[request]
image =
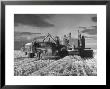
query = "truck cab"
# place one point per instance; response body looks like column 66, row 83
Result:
column 29, row 50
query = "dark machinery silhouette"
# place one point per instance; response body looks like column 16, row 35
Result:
column 49, row 49
column 46, row 48
column 80, row 50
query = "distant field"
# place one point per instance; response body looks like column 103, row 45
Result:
column 67, row 66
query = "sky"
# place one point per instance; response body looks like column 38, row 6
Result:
column 58, row 25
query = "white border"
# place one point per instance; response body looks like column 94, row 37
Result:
column 100, row 10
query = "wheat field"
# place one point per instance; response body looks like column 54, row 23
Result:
column 67, row 66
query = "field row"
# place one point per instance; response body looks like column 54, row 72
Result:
column 67, row 66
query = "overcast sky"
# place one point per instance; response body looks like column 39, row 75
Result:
column 58, row 24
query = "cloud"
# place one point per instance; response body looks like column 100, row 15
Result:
column 32, row 20
column 90, row 31
column 95, row 27
column 91, row 37
column 82, row 27
column 94, row 19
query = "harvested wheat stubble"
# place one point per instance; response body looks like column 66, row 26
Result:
column 29, row 65
column 68, row 66
column 18, row 54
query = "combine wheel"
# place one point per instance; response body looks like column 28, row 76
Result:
column 63, row 53
column 25, row 53
column 31, row 55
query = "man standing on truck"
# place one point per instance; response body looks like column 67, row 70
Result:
column 83, row 42
column 39, row 54
column 35, row 50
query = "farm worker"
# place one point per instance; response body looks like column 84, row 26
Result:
column 83, row 42
column 65, row 40
column 57, row 40
column 39, row 54
column 34, row 45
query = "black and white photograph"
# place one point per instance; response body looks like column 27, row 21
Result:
column 55, row 44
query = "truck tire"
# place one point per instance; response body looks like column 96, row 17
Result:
column 25, row 53
column 63, row 53
column 31, row 55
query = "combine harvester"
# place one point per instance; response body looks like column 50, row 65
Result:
column 55, row 50
column 46, row 49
